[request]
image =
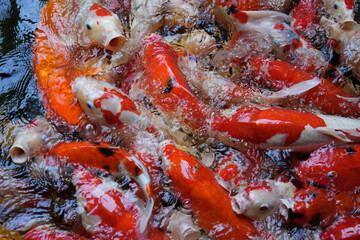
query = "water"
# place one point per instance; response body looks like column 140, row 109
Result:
column 19, row 101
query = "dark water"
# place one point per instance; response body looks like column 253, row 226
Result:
column 19, row 101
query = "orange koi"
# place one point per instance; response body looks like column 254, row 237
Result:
column 58, row 60
column 337, row 168
column 281, row 128
column 107, row 212
column 167, row 87
column 326, row 96
column 347, row 228
column 196, row 186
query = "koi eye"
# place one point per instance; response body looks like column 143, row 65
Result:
column 332, row 174
column 312, row 195
column 88, row 26
column 90, row 105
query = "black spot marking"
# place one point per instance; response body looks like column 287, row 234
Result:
column 315, row 220
column 106, row 167
column 294, row 215
column 350, row 150
column 107, row 152
column 336, row 6
column 232, row 9
column 88, row 26
column 170, row 86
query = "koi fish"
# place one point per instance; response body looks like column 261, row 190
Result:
column 48, row 232
column 31, row 140
column 108, row 105
column 337, row 168
column 166, row 86
column 346, row 228
column 107, row 213
column 280, row 38
column 195, row 185
column 340, row 10
column 104, row 157
column 326, row 96
column 346, row 36
column 61, row 55
column 104, row 28
column 281, row 128
column 318, row 207
column 260, row 199
column 305, row 15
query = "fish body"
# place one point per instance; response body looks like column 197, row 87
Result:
column 278, row 74
column 281, row 128
column 346, row 228
column 168, row 89
column 195, row 185
column 107, row 213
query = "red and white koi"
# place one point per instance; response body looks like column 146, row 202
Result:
column 106, row 212
column 329, row 98
column 108, row 105
column 104, row 157
column 102, row 27
column 254, row 26
column 260, row 199
column 337, row 168
column 281, row 128
column 196, row 187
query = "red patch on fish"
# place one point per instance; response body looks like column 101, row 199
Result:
column 279, row 26
column 229, row 172
column 99, row 10
column 296, row 43
column 349, row 4
column 242, row 17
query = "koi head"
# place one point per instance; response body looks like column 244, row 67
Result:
column 106, row 104
column 337, row 168
column 260, row 199
column 104, row 28
column 312, row 207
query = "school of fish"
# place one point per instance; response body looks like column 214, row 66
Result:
column 196, row 119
